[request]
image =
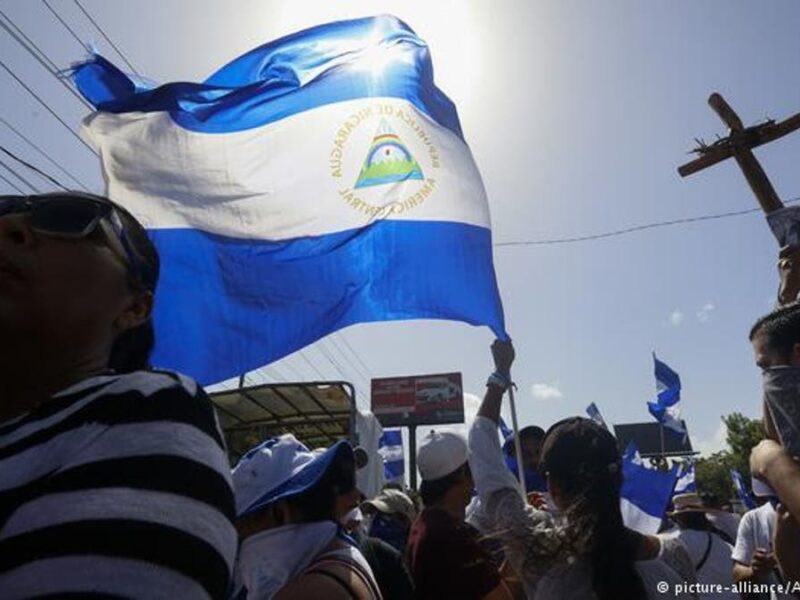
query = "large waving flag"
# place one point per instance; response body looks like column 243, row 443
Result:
column 645, row 493
column 317, row 181
column 667, row 409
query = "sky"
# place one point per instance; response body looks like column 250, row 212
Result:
column 578, row 114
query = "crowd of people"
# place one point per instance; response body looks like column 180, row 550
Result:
column 115, row 481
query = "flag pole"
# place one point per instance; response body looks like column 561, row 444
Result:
column 517, row 443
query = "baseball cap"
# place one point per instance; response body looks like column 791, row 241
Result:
column 441, row 453
column 391, row 502
column 280, row 468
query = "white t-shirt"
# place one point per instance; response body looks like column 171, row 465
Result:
column 717, row 568
column 755, row 531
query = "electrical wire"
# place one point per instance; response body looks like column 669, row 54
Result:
column 33, row 168
column 11, row 184
column 45, row 105
column 39, row 55
column 627, row 230
column 65, row 24
column 108, row 39
column 43, row 153
column 32, row 187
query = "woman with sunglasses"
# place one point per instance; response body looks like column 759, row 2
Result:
column 113, row 477
column 586, row 552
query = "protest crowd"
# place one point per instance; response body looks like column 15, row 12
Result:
column 115, row 479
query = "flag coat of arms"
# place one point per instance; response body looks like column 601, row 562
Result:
column 317, row 181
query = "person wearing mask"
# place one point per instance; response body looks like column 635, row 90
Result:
column 776, row 345
column 587, row 553
column 288, row 502
column 708, row 547
column 444, row 555
column 115, row 480
column 390, row 515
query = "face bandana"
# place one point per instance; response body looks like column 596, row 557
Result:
column 389, row 530
column 270, row 559
column 782, row 398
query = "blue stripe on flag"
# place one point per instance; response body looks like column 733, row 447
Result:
column 240, row 304
column 742, row 491
column 372, row 57
column 390, row 447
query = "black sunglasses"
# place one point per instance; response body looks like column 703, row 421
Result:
column 75, row 217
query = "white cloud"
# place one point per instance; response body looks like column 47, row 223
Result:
column 676, row 318
column 717, row 442
column 544, row 391
column 704, row 314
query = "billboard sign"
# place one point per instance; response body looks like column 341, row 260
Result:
column 418, row 400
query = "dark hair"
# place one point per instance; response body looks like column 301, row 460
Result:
column 781, row 329
column 433, row 490
column 318, row 503
column 531, row 432
column 583, row 459
column 132, row 349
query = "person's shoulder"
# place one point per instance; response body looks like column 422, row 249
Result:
column 153, row 381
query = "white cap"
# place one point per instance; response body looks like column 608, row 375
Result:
column 280, row 468
column 440, row 454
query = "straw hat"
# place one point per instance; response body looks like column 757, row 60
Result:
column 688, row 503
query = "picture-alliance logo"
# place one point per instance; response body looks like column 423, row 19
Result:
column 384, row 160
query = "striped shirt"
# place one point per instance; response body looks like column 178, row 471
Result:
column 119, row 486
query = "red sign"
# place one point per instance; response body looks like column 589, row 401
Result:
column 418, row 400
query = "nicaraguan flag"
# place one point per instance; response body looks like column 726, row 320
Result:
column 742, row 491
column 667, row 409
column 645, row 493
column 594, row 415
column 390, row 448
column 686, row 482
column 317, row 181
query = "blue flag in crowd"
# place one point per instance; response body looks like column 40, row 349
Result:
column 742, row 491
column 594, row 415
column 390, row 448
column 645, row 492
column 686, row 482
column 317, row 181
column 666, row 409
column 505, row 430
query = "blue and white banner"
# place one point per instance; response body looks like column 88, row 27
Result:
column 667, row 409
column 317, row 181
column 390, row 448
column 645, row 493
column 686, row 481
column 742, row 491
column 594, row 415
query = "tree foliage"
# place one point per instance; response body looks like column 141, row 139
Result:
column 712, row 473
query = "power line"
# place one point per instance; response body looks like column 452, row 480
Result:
column 45, row 105
column 367, row 370
column 33, row 168
column 108, row 39
column 43, row 153
column 11, row 184
column 37, row 53
column 312, row 365
column 352, row 365
column 33, row 188
column 627, row 230
column 65, row 24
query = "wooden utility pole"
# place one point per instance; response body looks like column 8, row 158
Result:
column 739, row 144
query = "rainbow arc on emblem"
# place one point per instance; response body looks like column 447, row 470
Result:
column 388, row 160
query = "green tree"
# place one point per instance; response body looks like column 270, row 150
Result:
column 712, row 473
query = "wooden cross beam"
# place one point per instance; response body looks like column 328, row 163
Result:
column 739, row 144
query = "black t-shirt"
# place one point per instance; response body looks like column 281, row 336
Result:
column 388, row 567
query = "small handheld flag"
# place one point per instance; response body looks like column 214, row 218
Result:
column 686, row 480
column 390, row 448
column 742, row 491
column 666, row 409
column 594, row 415
column 645, row 492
